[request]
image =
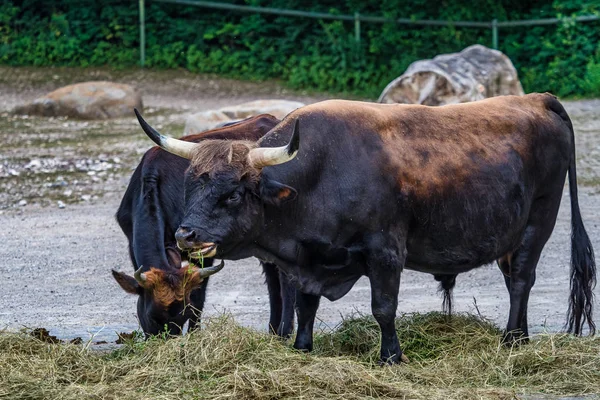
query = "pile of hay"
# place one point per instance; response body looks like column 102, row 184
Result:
column 459, row 358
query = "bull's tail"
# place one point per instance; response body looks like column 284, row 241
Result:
column 583, row 265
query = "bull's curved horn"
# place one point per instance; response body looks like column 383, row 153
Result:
column 265, row 156
column 178, row 147
column 208, row 271
column 140, row 276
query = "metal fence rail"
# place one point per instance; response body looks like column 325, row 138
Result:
column 494, row 25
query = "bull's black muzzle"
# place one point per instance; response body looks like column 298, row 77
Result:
column 186, row 238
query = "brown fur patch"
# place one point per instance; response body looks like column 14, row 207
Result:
column 170, row 286
column 212, row 156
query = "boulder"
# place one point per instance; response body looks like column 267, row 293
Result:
column 86, row 100
column 277, row 108
column 205, row 120
column 475, row 73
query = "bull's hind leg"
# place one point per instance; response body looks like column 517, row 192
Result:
column 288, row 300
column 522, row 263
column 274, row 289
column 282, row 297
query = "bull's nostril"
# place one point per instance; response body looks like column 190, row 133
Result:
column 185, row 235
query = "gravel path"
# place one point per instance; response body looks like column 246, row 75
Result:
column 55, row 262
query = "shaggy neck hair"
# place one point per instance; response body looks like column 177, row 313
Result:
column 212, row 156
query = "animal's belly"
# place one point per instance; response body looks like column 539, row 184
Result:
column 323, row 281
column 456, row 246
column 326, row 269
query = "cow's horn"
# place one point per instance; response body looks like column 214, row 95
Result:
column 265, row 156
column 178, row 147
column 208, row 271
column 140, row 276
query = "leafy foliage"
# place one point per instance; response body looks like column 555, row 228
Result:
column 306, row 53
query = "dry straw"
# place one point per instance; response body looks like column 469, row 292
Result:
column 451, row 358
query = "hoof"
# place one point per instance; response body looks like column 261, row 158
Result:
column 394, row 360
column 514, row 338
column 284, row 333
column 303, row 347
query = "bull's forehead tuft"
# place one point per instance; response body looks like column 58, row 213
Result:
column 212, row 156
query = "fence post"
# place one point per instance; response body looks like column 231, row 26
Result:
column 142, row 33
column 495, row 34
column 357, row 27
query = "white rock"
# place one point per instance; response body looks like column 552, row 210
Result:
column 33, row 164
column 23, row 203
column 60, row 204
column 86, row 197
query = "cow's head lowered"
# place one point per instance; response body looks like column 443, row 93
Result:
column 225, row 191
column 164, row 295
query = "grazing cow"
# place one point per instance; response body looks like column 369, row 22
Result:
column 376, row 188
column 149, row 214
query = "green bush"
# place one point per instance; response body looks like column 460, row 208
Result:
column 305, row 53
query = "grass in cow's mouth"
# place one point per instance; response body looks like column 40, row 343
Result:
column 456, row 358
column 196, row 259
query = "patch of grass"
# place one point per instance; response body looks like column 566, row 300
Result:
column 451, row 358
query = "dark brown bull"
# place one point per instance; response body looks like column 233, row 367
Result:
column 149, row 214
column 377, row 188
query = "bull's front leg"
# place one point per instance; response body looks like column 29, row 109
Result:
column 306, row 307
column 385, row 268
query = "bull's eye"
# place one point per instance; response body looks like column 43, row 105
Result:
column 234, row 198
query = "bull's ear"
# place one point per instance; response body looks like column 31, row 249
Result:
column 275, row 193
column 127, row 283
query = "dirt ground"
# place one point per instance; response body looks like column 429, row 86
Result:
column 55, row 262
